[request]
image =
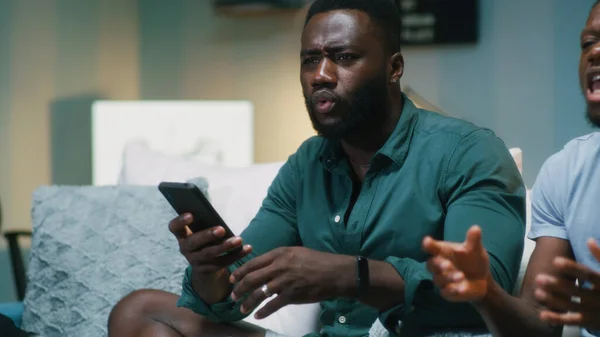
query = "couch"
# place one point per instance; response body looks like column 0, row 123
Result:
column 79, row 267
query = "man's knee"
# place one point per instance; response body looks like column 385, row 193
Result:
column 137, row 304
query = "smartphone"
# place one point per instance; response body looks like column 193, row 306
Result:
column 187, row 198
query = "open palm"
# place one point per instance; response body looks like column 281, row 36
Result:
column 460, row 270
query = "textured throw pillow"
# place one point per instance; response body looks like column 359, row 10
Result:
column 90, row 247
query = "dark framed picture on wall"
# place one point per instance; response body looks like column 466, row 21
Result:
column 439, row 22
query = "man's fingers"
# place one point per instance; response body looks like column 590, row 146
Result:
column 179, row 226
column 272, row 306
column 208, row 264
column 594, row 248
column 579, row 271
column 555, row 301
column 568, row 318
column 444, row 272
column 473, row 240
column 259, row 295
column 210, row 252
column 561, row 294
column 254, row 280
column 430, row 245
column 454, row 291
column 440, row 265
column 445, row 279
column 202, row 239
column 252, row 265
column 562, row 287
column 436, row 247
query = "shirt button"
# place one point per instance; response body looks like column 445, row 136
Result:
column 342, row 319
column 337, row 218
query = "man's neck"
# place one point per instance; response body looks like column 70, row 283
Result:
column 361, row 148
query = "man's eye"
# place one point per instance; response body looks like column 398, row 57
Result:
column 310, row 60
column 587, row 44
column 345, row 57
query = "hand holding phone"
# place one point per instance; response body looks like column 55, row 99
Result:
column 207, row 250
column 187, row 198
column 209, row 256
column 204, row 239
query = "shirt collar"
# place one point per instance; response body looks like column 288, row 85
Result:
column 395, row 148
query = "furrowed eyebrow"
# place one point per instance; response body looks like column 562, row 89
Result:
column 331, row 50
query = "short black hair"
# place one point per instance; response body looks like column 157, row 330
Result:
column 383, row 12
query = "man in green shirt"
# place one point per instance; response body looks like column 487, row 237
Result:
column 343, row 220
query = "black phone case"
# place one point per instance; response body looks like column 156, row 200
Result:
column 187, row 198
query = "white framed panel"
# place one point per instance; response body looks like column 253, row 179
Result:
column 214, row 132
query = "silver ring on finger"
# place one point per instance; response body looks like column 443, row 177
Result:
column 265, row 290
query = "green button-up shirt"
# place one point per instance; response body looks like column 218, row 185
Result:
column 434, row 176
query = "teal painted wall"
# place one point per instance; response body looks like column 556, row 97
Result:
column 161, row 48
column 520, row 80
column 7, row 292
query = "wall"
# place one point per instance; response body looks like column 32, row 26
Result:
column 520, row 79
column 53, row 51
column 58, row 50
column 189, row 53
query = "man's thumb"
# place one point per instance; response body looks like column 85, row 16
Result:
column 594, row 248
column 473, row 241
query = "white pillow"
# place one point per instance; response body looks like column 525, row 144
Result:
column 235, row 192
column 517, row 155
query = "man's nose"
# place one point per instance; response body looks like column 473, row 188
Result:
column 594, row 55
column 324, row 74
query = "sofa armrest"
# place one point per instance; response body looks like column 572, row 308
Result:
column 16, row 258
column 13, row 310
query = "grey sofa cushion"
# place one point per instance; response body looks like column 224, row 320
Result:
column 90, row 247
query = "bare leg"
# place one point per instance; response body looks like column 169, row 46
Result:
column 154, row 313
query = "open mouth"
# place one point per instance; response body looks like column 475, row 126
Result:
column 325, row 106
column 593, row 85
column 324, row 101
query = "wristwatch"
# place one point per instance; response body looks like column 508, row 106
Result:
column 362, row 275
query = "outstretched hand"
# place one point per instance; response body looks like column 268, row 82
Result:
column 568, row 303
column 460, row 270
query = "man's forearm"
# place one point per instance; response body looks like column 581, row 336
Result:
column 212, row 288
column 386, row 286
column 506, row 315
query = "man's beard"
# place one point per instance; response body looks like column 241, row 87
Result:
column 363, row 112
column 593, row 117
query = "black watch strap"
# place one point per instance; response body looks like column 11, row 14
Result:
column 362, row 275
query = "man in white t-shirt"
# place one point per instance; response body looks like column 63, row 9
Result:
column 566, row 229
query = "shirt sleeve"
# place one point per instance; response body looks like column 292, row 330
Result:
column 547, row 201
column 277, row 217
column 481, row 186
